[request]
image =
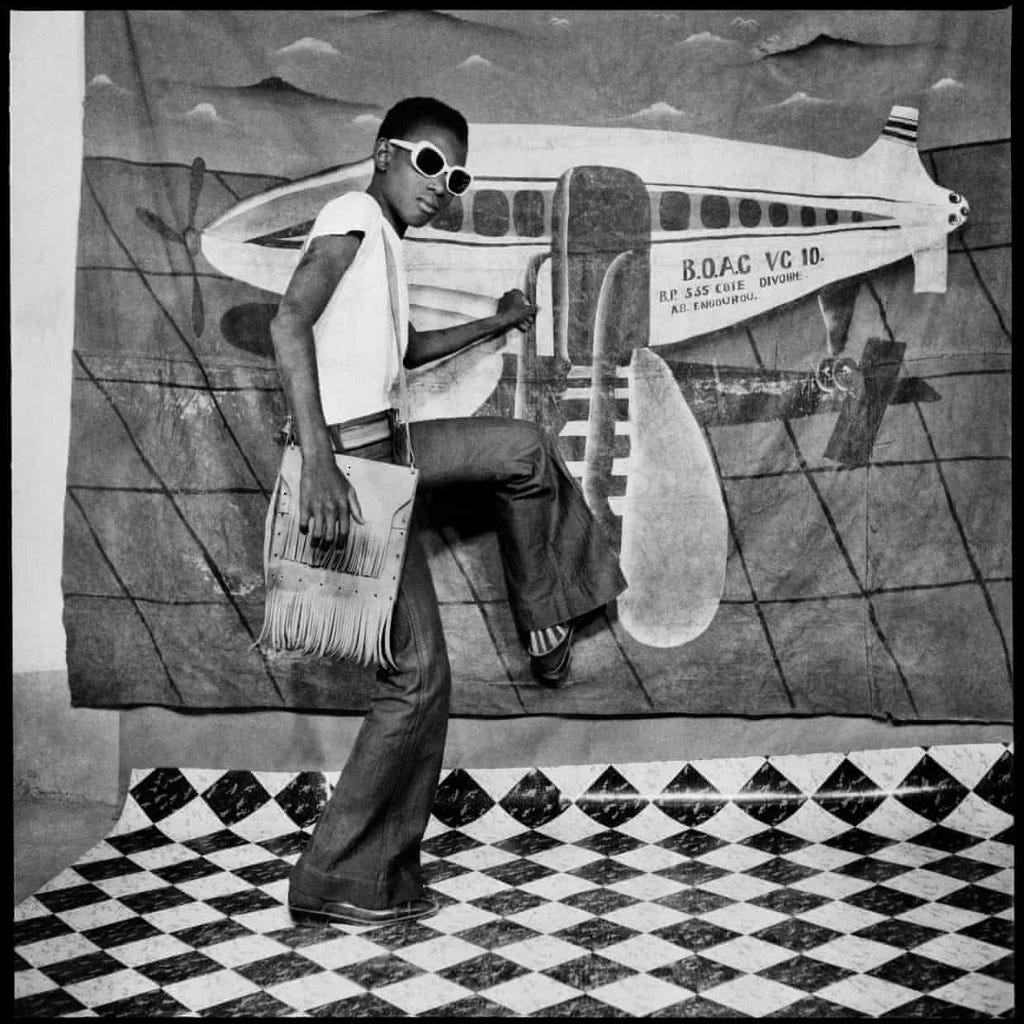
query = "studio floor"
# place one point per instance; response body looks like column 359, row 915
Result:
column 874, row 883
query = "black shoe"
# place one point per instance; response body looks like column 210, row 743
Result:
column 310, row 909
column 550, row 669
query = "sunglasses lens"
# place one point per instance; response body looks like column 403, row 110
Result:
column 459, row 181
column 429, row 161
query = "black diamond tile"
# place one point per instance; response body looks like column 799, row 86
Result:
column 235, row 795
column 446, row 843
column 459, row 799
column 273, row 970
column 152, row 900
column 527, row 843
column 534, row 800
column 581, row 1006
column 212, row 932
column 929, row 790
column 695, row 934
column 155, row 1003
column 997, row 785
column 20, row 963
column 595, row 933
column 471, row 1006
column 692, row 872
column 797, row 935
column 813, row 1007
column 81, row 968
column 518, row 872
column 789, row 901
column 58, row 900
column 244, row 902
column 367, row 1005
column 870, row 869
column 587, row 972
column 255, row 1004
column 399, row 934
column 774, row 841
column 781, row 871
column 938, row 837
column 483, row 971
column 35, row 929
column 509, row 902
column 690, row 799
column 1001, row 969
column 494, row 934
column 286, row 845
column 605, row 871
column 931, row 1008
column 696, row 973
column 694, row 901
column 993, row 930
column 692, row 843
column 439, row 870
column 609, row 843
column 856, row 840
column 304, row 798
column 162, row 792
column 300, row 935
column 148, row 838
column 611, row 800
column 114, row 867
column 117, row 934
column 699, row 1008
column 187, row 870
column 769, row 797
column 917, row 972
column 804, row 973
column 598, row 902
column 964, row 868
column 979, row 899
column 849, row 794
column 1006, row 836
column 224, row 839
column 894, row 932
column 264, row 872
column 55, row 1003
column 882, row 900
column 178, row 968
column 379, row 971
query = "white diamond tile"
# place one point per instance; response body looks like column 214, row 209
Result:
column 977, row 817
column 745, row 918
column 530, row 993
column 238, row 856
column 246, row 949
column 941, row 915
column 60, row 947
column 550, row 917
column 110, row 987
column 735, row 857
column 894, row 820
column 342, row 951
column 854, row 953
column 470, row 885
column 270, row 920
column 651, row 825
column 557, row 887
column 269, row 822
column 868, row 995
column 493, row 827
column 191, row 821
column 641, row 996
column 29, row 908
column 832, row 884
column 739, row 887
column 222, row 884
column 437, row 954
column 163, row 857
column 541, row 952
column 30, row 983
column 813, row 823
column 978, row 992
column 645, row 917
column 481, row 857
column 315, row 990
column 645, row 887
column 808, row 772
column 747, row 953
column 424, row 992
column 989, row 852
column 649, row 858
column 732, row 824
column 1001, row 881
column 929, row 885
column 127, row 885
column 642, row 952
column 968, row 763
column 96, row 914
column 147, row 951
column 210, row 989
column 188, row 915
column 571, row 826
column 754, row 996
column 888, row 767
column 458, row 917
column 841, row 917
column 566, row 857
column 821, row 857
column 728, row 775
column 961, row 951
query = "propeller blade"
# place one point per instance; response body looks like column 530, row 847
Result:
column 154, row 223
column 195, row 186
column 198, row 313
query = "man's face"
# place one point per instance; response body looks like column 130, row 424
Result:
column 414, row 198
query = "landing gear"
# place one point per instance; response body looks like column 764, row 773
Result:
column 842, row 374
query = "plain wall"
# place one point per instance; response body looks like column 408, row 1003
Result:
column 87, row 753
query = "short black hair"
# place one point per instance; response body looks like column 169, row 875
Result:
column 416, row 110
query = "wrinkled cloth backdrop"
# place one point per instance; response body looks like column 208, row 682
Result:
column 773, row 569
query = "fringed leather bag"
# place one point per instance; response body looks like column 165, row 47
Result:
column 337, row 600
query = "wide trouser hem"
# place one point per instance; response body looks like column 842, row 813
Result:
column 569, row 603
column 373, row 893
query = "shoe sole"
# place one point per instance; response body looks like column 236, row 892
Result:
column 302, row 915
column 556, row 676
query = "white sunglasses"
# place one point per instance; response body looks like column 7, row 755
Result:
column 429, row 161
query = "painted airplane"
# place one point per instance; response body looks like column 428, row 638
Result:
column 630, row 240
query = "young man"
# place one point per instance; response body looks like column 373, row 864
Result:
column 334, row 338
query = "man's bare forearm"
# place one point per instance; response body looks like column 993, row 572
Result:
column 296, row 361
column 426, row 346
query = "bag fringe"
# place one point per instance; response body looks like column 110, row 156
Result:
column 315, row 623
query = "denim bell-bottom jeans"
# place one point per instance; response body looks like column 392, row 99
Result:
column 558, row 565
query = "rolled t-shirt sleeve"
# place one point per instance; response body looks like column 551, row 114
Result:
column 353, row 212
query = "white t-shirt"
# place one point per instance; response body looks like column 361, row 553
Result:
column 357, row 361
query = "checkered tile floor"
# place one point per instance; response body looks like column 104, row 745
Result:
column 875, row 883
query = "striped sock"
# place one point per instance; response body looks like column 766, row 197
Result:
column 547, row 639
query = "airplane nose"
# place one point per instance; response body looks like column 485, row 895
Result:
column 962, row 211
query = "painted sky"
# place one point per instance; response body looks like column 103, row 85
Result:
column 292, row 92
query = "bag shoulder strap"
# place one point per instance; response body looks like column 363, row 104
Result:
column 396, row 323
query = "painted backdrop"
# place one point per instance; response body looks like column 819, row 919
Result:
column 771, row 254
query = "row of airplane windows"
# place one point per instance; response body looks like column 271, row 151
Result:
column 492, row 217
